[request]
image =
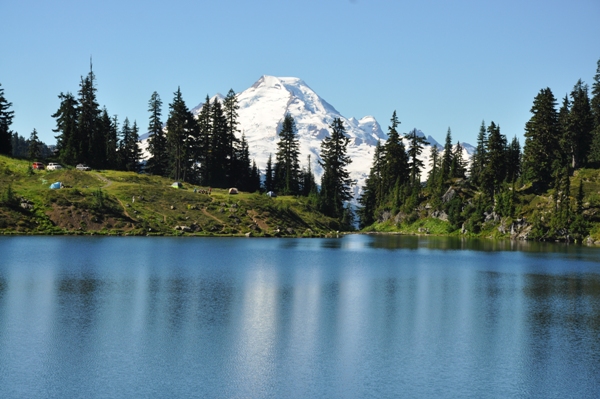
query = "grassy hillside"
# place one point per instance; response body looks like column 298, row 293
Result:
column 532, row 218
column 125, row 203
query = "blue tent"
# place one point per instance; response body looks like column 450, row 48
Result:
column 56, row 185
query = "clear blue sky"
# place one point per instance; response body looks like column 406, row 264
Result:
column 440, row 63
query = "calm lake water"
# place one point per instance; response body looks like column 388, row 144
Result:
column 357, row 317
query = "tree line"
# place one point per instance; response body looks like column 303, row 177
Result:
column 557, row 143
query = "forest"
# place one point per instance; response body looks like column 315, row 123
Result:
column 562, row 144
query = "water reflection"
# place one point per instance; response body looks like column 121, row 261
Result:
column 299, row 318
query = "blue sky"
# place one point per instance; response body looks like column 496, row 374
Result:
column 440, row 64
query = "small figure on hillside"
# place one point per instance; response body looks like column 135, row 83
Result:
column 133, row 199
column 209, row 190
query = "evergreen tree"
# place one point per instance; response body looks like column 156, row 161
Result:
column 335, row 182
column 308, row 183
column 433, row 177
column 182, row 135
column 457, row 166
column 230, row 108
column 371, row 193
column 415, row 149
column 67, row 117
column 395, row 166
column 447, row 157
column 204, row 146
column 112, row 139
column 20, row 147
column 242, row 169
column 132, row 152
column 595, row 108
column 541, row 145
column 581, row 125
column 287, row 167
column 6, row 117
column 254, row 178
column 269, row 183
column 158, row 163
column 219, row 166
column 513, row 160
column 564, row 154
column 494, row 173
column 35, row 147
column 479, row 159
column 123, row 145
column 90, row 141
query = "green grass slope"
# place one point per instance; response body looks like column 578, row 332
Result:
column 125, row 203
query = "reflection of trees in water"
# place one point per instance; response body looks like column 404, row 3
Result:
column 567, row 301
column 78, row 299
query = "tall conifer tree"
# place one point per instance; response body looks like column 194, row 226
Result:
column 287, row 166
column 6, row 117
column 158, row 163
column 336, row 183
column 67, row 117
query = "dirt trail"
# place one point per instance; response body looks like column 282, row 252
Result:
column 260, row 223
column 104, row 179
column 204, row 211
column 125, row 210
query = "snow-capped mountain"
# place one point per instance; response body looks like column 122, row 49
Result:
column 264, row 105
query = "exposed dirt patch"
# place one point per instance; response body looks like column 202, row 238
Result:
column 74, row 219
column 259, row 222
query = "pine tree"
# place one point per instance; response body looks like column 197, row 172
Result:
column 90, row 143
column 269, row 186
column 230, row 108
column 447, row 157
column 287, row 167
column 336, row 182
column 182, row 135
column 581, row 125
column 158, row 163
column 308, row 183
column 433, row 178
column 123, row 144
column 6, row 117
column 541, row 145
column 371, row 193
column 594, row 156
column 254, row 178
column 457, row 166
column 513, row 160
column 34, row 150
column 204, row 146
column 220, row 150
column 479, row 159
column 242, row 168
column 494, row 173
column 395, row 166
column 132, row 150
column 67, row 117
column 110, row 126
column 415, row 149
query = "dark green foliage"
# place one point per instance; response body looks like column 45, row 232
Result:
column 479, row 159
column 35, row 147
column 111, row 127
column 433, row 179
column 235, row 165
column 513, row 160
column 182, row 135
column 308, row 184
column 457, row 166
column 204, row 144
column 8, row 197
column 541, row 145
column 335, row 183
column 494, row 172
column 158, row 163
column 254, row 183
column 447, row 157
column 594, row 156
column 287, row 168
column 67, row 128
column 6, row 117
column 90, row 141
column 130, row 151
column 580, row 126
column 372, row 191
column 269, row 185
column 395, row 164
column 219, row 164
column 415, row 149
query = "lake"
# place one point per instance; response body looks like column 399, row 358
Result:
column 363, row 316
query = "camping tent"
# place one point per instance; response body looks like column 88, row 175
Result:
column 271, row 194
column 233, row 190
column 56, row 185
column 177, row 185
